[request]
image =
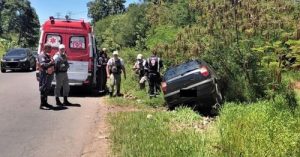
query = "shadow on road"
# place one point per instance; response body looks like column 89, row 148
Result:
column 81, row 92
column 73, row 105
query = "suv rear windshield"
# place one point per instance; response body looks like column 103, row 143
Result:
column 181, row 69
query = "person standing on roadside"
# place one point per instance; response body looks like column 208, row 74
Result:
column 45, row 75
column 61, row 76
column 101, row 70
column 140, row 70
column 154, row 64
column 115, row 66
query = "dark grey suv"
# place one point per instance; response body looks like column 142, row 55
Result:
column 18, row 59
column 191, row 82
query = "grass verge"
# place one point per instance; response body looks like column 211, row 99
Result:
column 160, row 133
column 266, row 128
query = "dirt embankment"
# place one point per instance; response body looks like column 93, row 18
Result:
column 99, row 143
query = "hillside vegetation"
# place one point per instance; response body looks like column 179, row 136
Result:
column 19, row 25
column 249, row 43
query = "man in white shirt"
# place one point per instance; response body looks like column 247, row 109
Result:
column 115, row 66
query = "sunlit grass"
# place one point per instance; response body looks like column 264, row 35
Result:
column 158, row 134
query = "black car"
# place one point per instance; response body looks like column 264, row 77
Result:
column 18, row 59
column 191, row 82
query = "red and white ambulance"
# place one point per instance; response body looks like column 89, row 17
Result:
column 80, row 46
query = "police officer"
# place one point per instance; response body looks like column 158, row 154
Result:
column 140, row 70
column 61, row 76
column 115, row 66
column 154, row 64
column 101, row 70
column 45, row 75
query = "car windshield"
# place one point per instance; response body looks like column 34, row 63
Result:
column 16, row 52
column 181, row 69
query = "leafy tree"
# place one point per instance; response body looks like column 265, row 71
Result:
column 116, row 6
column 124, row 30
column 19, row 19
column 99, row 9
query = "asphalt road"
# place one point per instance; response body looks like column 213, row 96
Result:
column 27, row 131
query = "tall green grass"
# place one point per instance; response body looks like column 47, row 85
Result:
column 159, row 134
column 266, row 128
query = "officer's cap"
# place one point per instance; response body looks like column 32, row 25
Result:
column 115, row 53
column 61, row 46
column 139, row 56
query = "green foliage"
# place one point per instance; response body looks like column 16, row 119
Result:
column 159, row 134
column 266, row 128
column 5, row 45
column 171, row 12
column 99, row 9
column 161, row 35
column 124, row 30
column 243, row 42
column 19, row 19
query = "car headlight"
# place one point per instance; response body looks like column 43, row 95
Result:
column 3, row 60
column 23, row 60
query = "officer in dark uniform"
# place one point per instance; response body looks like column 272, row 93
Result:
column 46, row 72
column 154, row 64
column 101, row 70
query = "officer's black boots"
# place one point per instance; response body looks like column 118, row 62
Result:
column 66, row 102
column 44, row 103
column 58, row 103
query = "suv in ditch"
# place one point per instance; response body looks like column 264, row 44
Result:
column 193, row 82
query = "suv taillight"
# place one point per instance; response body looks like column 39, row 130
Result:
column 164, row 87
column 204, row 71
